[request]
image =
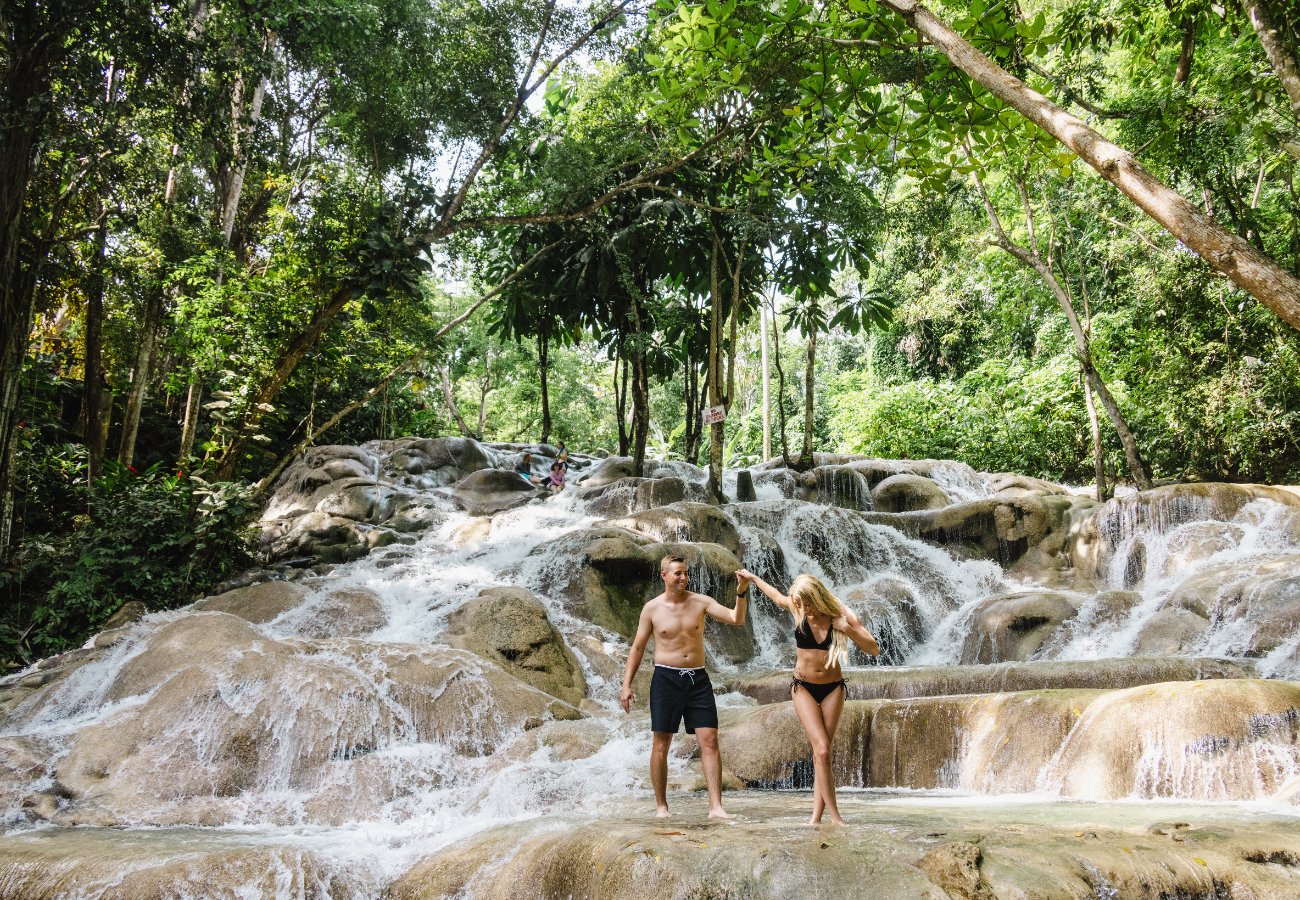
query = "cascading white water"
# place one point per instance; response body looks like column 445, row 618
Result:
column 388, row 789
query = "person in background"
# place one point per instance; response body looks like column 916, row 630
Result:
column 524, row 468
column 817, row 688
column 563, row 456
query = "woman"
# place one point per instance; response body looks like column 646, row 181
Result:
column 556, row 481
column 823, row 628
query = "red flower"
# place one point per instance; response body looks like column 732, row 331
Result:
column 132, row 470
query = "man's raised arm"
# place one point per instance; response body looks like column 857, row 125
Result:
column 731, row 616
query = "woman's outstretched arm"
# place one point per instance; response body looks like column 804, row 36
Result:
column 770, row 592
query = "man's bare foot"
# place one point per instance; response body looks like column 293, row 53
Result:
column 838, row 821
column 719, row 813
column 662, row 812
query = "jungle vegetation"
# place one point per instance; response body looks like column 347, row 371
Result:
column 1056, row 237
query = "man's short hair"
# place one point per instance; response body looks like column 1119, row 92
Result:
column 669, row 560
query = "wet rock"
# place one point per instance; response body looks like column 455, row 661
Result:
column 1211, row 740
column 127, row 614
column 929, row 681
column 1259, row 596
column 745, row 487
column 841, row 486
column 1160, row 511
column 350, row 612
column 889, row 609
column 908, row 493
column 435, row 462
column 490, row 491
column 257, row 603
column 243, row 713
column 1001, row 530
column 1170, row 631
column 1016, row 626
column 1197, row 541
column 618, row 468
column 110, row 864
column 684, row 522
column 1010, row 484
column 509, row 626
column 888, row 851
column 630, row 495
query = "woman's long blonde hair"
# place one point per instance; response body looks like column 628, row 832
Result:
column 814, row 595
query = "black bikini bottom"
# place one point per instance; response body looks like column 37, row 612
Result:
column 819, row 692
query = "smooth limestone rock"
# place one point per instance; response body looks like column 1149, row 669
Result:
column 685, row 522
column 490, row 491
column 1260, row 594
column 227, row 711
column 110, row 864
column 257, row 603
column 1160, row 511
column 1204, row 740
column 1011, row 484
column 631, row 495
column 348, row 612
column 428, row 463
column 509, row 626
column 908, row 493
column 891, row 849
column 1014, row 627
column 890, row 682
column 617, row 468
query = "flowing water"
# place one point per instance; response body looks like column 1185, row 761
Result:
column 412, row 795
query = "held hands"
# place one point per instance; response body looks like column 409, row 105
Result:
column 626, row 698
column 744, row 578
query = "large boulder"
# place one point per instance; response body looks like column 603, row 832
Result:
column 832, row 485
column 1255, row 601
column 257, row 603
column 1011, row 484
column 629, row 495
column 908, row 493
column 1197, row 740
column 685, row 522
column 430, row 463
column 509, row 626
column 1015, row 627
column 346, row 612
column 489, row 491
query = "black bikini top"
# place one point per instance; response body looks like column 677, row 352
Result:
column 804, row 640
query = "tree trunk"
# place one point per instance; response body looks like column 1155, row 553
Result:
column 190, row 426
column 806, row 455
column 1278, row 50
column 1252, row 271
column 1187, row 51
column 767, row 380
column 543, row 372
column 450, row 397
column 1032, row 260
column 620, row 401
column 640, row 388
column 780, row 391
column 92, row 384
column 149, row 329
column 716, row 433
column 1094, row 426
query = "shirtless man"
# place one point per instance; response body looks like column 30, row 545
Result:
column 680, row 687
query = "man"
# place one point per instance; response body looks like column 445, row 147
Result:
column 680, row 688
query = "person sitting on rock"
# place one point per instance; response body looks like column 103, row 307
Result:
column 556, row 481
column 525, row 469
column 562, row 457
column 817, row 688
column 680, row 688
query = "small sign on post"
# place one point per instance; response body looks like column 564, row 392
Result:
column 715, row 415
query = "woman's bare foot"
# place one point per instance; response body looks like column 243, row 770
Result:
column 719, row 813
column 662, row 812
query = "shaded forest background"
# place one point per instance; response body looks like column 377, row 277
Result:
column 232, row 230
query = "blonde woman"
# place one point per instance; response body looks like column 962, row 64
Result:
column 818, row 688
